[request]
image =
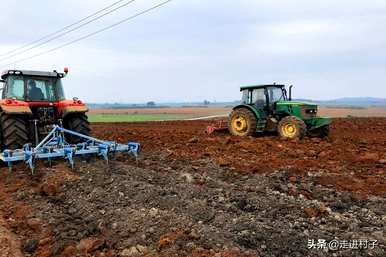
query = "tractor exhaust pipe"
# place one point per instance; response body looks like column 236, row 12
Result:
column 290, row 92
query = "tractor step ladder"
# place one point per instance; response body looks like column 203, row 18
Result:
column 260, row 126
column 54, row 146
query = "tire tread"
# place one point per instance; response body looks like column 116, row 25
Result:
column 251, row 119
column 302, row 128
column 14, row 131
column 78, row 123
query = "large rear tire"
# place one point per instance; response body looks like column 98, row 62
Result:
column 13, row 131
column 79, row 123
column 242, row 122
column 292, row 127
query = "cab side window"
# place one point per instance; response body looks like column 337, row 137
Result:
column 245, row 97
column 15, row 88
column 258, row 97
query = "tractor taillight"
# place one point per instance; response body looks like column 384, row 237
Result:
column 76, row 100
column 66, row 70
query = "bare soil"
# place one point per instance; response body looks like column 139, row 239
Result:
column 191, row 194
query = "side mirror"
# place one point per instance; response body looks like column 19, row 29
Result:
column 290, row 93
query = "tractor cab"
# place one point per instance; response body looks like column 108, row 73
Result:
column 263, row 97
column 33, row 86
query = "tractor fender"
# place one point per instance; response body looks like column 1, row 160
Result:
column 66, row 107
column 12, row 106
column 253, row 110
column 318, row 122
column 74, row 109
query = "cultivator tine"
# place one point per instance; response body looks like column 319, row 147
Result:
column 104, row 151
column 29, row 157
column 113, row 151
column 8, row 153
column 134, row 149
column 49, row 158
column 54, row 145
column 69, row 153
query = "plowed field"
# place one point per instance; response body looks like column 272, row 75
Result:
column 192, row 194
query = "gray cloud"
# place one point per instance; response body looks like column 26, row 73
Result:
column 195, row 50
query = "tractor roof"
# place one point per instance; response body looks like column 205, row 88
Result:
column 260, row 86
column 53, row 74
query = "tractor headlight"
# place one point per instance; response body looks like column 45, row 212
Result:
column 311, row 111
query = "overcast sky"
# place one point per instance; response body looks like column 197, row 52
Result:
column 191, row 50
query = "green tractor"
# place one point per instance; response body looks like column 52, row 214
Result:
column 269, row 108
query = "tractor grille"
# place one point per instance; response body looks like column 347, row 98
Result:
column 308, row 112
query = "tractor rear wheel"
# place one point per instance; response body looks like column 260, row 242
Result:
column 78, row 123
column 13, row 131
column 292, row 127
column 321, row 132
column 242, row 122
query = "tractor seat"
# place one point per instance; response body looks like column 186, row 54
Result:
column 36, row 94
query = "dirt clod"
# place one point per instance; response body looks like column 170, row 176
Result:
column 89, row 244
column 69, row 251
column 193, row 140
column 34, row 223
column 30, row 245
column 311, row 212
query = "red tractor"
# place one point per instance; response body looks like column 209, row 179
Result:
column 32, row 101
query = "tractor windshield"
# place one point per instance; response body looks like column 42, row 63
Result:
column 276, row 94
column 27, row 88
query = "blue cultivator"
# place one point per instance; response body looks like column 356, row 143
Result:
column 54, row 145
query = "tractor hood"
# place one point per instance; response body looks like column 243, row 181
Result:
column 296, row 103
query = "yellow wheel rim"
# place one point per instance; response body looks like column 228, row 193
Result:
column 239, row 124
column 289, row 130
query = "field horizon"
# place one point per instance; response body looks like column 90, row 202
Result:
column 338, row 102
column 187, row 113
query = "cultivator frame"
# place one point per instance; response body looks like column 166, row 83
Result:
column 219, row 126
column 54, row 145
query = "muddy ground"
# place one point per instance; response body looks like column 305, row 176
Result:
column 191, row 194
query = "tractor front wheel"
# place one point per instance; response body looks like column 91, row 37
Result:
column 292, row 127
column 242, row 122
column 78, row 123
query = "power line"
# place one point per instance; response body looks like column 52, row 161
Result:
column 91, row 34
column 62, row 29
column 66, row 31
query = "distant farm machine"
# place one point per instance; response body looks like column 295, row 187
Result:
column 270, row 108
column 37, row 122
